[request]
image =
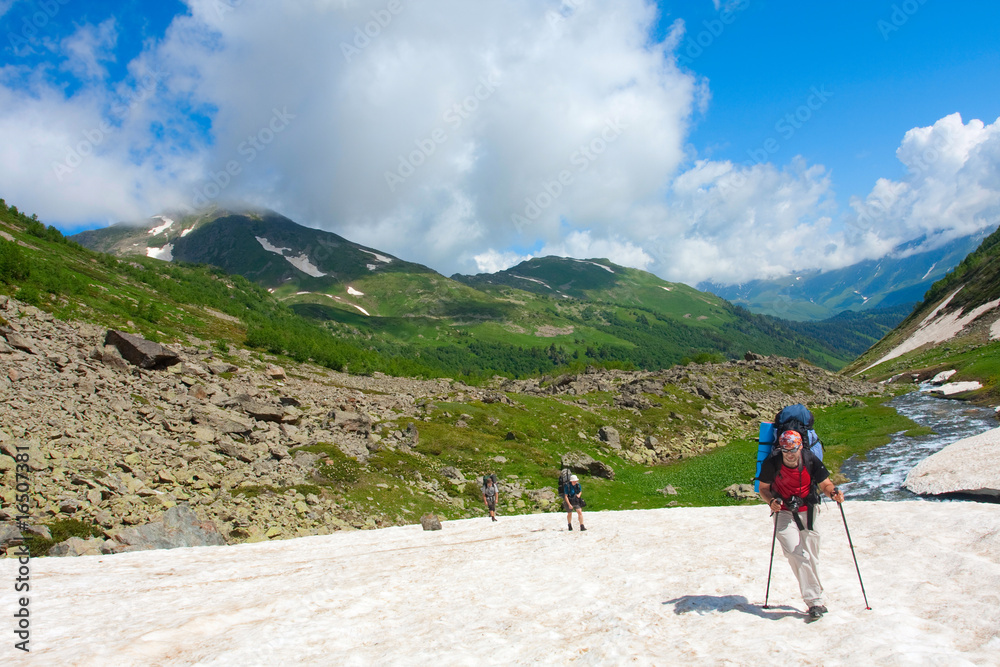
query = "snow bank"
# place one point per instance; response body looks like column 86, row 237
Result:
column 970, row 465
column 952, row 388
column 661, row 587
column 166, row 253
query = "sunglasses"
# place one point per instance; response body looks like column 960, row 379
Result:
column 791, row 450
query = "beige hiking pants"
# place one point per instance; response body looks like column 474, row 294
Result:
column 801, row 548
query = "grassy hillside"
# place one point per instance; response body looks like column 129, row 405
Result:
column 546, row 314
column 974, row 351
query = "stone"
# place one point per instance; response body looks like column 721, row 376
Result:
column 264, row 411
column 453, row 474
column 741, row 492
column 430, row 522
column 275, row 372
column 141, row 352
column 178, row 527
column 19, row 342
column 581, row 462
column 668, row 490
column 9, row 533
column 76, row 546
column 609, row 434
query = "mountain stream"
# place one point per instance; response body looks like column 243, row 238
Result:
column 880, row 475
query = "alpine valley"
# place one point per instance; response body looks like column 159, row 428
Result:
column 235, row 376
column 543, row 314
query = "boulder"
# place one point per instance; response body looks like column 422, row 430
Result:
column 220, row 420
column 430, row 522
column 179, row 527
column 19, row 342
column 351, row 421
column 9, row 533
column 264, row 411
column 609, row 434
column 76, row 546
column 740, row 491
column 453, row 474
column 580, row 462
column 141, row 352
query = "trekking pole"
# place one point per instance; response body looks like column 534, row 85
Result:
column 842, row 516
column 770, row 564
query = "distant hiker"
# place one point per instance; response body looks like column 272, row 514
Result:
column 573, row 500
column 490, row 495
column 790, row 482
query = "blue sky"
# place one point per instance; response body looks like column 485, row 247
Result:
column 695, row 139
column 885, row 78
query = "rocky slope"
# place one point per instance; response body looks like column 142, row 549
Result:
column 116, row 442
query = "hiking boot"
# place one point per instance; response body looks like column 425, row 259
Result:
column 582, row 527
column 570, row 526
column 816, row 611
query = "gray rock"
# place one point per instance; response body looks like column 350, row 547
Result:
column 609, row 434
column 9, row 533
column 264, row 411
column 220, row 420
column 453, row 474
column 430, row 522
column 141, row 352
column 76, row 546
column 668, row 490
column 19, row 342
column 179, row 527
column 580, row 462
column 351, row 421
column 740, row 491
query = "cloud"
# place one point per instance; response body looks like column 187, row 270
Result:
column 492, row 261
column 88, row 47
column 951, row 188
column 449, row 137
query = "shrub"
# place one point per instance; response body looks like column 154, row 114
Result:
column 14, row 265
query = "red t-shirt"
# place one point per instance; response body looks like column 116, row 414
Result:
column 787, row 482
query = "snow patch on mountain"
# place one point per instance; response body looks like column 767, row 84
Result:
column 300, row 262
column 166, row 253
column 381, row 258
column 268, row 246
column 167, row 223
column 583, row 261
column 534, row 280
column 934, row 329
column 354, row 292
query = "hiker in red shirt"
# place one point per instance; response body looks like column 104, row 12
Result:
column 790, row 483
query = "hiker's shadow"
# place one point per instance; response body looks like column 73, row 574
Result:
column 705, row 604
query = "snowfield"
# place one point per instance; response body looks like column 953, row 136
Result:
column 678, row 586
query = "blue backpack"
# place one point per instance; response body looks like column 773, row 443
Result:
column 791, row 418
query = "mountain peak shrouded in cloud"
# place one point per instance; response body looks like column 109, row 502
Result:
column 465, row 136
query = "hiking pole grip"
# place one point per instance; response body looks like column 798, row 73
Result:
column 770, row 564
column 847, row 530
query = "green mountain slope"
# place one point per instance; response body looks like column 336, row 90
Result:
column 900, row 278
column 956, row 327
column 544, row 314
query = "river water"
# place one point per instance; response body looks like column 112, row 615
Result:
column 880, row 475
